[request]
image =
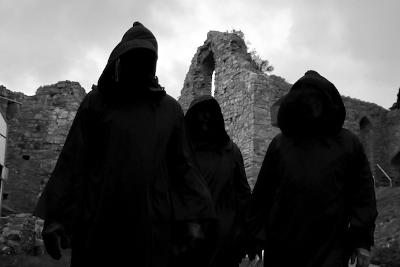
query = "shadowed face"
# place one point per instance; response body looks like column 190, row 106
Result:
column 313, row 107
column 203, row 117
column 137, row 67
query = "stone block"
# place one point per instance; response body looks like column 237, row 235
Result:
column 6, row 250
column 14, row 237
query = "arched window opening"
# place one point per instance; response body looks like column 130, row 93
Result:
column 365, row 124
column 207, row 73
column 213, row 84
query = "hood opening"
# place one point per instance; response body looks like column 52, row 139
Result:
column 313, row 107
column 131, row 65
column 215, row 134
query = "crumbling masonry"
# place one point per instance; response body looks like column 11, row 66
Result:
column 37, row 131
column 38, row 127
column 246, row 96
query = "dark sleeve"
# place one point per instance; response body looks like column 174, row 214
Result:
column 263, row 194
column 242, row 188
column 190, row 196
column 58, row 200
column 362, row 206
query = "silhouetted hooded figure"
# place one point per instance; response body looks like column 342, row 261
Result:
column 314, row 200
column 221, row 164
column 125, row 173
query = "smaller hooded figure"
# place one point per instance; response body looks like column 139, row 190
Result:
column 221, row 164
column 126, row 172
column 313, row 204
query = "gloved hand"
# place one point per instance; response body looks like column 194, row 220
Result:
column 194, row 230
column 363, row 257
column 189, row 236
column 240, row 246
column 54, row 235
column 254, row 251
column 195, row 234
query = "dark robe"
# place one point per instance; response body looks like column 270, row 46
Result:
column 124, row 175
column 221, row 164
column 314, row 200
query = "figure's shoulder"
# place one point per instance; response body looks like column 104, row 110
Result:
column 93, row 100
column 92, row 96
column 234, row 147
column 170, row 100
column 346, row 133
column 350, row 141
column 348, row 136
column 277, row 140
column 171, row 103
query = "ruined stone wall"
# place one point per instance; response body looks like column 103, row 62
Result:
column 10, row 108
column 267, row 90
column 37, row 132
column 38, row 127
column 367, row 120
column 225, row 54
column 244, row 93
column 391, row 127
column 246, row 96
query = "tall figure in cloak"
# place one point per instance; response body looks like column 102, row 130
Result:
column 314, row 204
column 221, row 164
column 125, row 173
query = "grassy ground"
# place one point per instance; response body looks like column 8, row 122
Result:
column 387, row 233
column 35, row 261
column 385, row 253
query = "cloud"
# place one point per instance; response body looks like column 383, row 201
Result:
column 49, row 41
column 354, row 44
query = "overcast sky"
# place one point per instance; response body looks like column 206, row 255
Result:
column 355, row 44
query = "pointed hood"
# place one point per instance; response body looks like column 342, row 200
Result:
column 137, row 37
column 312, row 107
column 220, row 137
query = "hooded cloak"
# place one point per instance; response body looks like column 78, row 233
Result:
column 125, row 173
column 221, row 164
column 314, row 200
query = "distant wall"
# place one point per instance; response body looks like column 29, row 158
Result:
column 246, row 96
column 244, row 93
column 37, row 132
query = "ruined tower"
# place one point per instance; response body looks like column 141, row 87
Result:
column 38, row 127
column 247, row 97
column 243, row 91
column 37, row 131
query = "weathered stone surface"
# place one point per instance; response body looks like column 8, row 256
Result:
column 246, row 96
column 37, row 131
column 244, row 93
column 27, row 240
column 387, row 233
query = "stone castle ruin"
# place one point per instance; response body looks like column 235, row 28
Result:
column 247, row 97
column 37, row 132
column 38, row 127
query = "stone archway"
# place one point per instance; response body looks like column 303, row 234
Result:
column 365, row 124
column 244, row 93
